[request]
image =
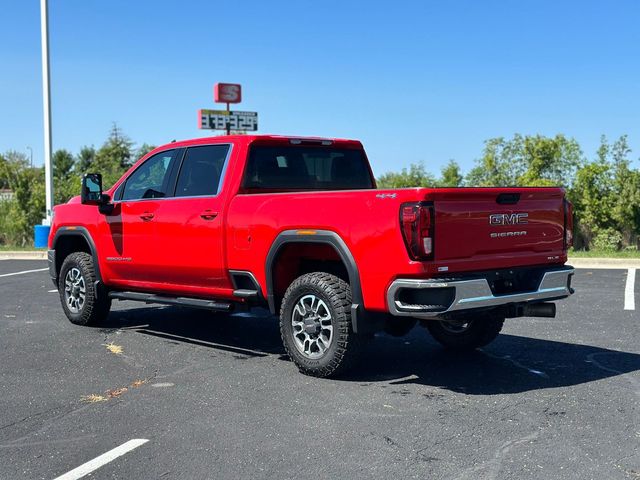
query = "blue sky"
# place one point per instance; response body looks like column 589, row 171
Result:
column 415, row 81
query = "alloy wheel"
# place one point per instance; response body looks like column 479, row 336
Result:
column 74, row 290
column 312, row 326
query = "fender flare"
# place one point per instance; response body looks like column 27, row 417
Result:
column 325, row 237
column 67, row 231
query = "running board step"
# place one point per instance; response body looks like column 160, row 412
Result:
column 184, row 301
column 245, row 293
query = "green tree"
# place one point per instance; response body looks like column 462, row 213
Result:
column 143, row 150
column 66, row 182
column 415, row 176
column 11, row 165
column 626, row 192
column 63, row 163
column 4, row 182
column 606, row 197
column 114, row 157
column 27, row 208
column 451, row 176
column 591, row 195
column 496, row 167
column 85, row 159
column 526, row 161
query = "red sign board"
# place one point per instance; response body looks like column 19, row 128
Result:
column 227, row 93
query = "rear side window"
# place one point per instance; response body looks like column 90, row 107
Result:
column 150, row 179
column 201, row 171
column 306, row 168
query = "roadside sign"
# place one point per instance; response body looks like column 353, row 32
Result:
column 227, row 93
column 227, row 120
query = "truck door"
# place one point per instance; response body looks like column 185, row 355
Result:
column 129, row 234
column 190, row 223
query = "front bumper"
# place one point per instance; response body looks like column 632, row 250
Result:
column 444, row 296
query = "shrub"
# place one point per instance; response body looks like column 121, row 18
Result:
column 607, row 240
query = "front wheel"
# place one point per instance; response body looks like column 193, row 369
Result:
column 315, row 325
column 83, row 303
column 466, row 335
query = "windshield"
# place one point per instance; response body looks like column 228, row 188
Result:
column 306, row 168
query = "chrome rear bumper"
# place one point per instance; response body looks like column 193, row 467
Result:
column 474, row 293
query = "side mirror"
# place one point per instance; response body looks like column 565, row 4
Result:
column 105, row 207
column 91, row 193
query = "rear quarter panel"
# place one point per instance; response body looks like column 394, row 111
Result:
column 367, row 221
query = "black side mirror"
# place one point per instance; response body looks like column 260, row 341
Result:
column 91, row 193
column 105, row 207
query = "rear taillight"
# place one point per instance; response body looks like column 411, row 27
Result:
column 417, row 222
column 568, row 224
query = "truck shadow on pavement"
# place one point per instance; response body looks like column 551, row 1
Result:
column 253, row 335
column 511, row 364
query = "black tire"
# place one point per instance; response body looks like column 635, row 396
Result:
column 95, row 307
column 476, row 333
column 344, row 345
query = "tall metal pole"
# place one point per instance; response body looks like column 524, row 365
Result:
column 46, row 104
column 30, row 156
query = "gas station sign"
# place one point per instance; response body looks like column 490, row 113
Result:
column 227, row 93
column 228, row 120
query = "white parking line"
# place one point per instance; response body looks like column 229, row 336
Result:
column 52, row 291
column 629, row 290
column 103, row 459
column 25, row 271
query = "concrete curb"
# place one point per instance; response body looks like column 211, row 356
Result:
column 602, row 263
column 26, row 255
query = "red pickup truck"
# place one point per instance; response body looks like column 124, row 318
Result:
column 298, row 225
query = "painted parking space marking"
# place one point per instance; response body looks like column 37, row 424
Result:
column 629, row 290
column 102, row 460
column 24, row 271
column 52, row 291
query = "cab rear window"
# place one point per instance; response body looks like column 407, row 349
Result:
column 285, row 168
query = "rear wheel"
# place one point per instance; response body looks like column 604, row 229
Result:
column 468, row 334
column 82, row 302
column 315, row 325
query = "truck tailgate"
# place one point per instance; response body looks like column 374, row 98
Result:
column 476, row 222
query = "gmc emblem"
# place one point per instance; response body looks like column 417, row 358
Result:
column 508, row 218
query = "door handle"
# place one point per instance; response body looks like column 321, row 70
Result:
column 146, row 216
column 208, row 215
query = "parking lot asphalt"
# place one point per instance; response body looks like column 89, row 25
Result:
column 216, row 397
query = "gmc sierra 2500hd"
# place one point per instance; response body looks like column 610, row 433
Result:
column 298, row 225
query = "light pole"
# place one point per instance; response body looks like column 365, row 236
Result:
column 46, row 104
column 30, row 156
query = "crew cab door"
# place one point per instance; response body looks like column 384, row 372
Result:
column 190, row 224
column 129, row 243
